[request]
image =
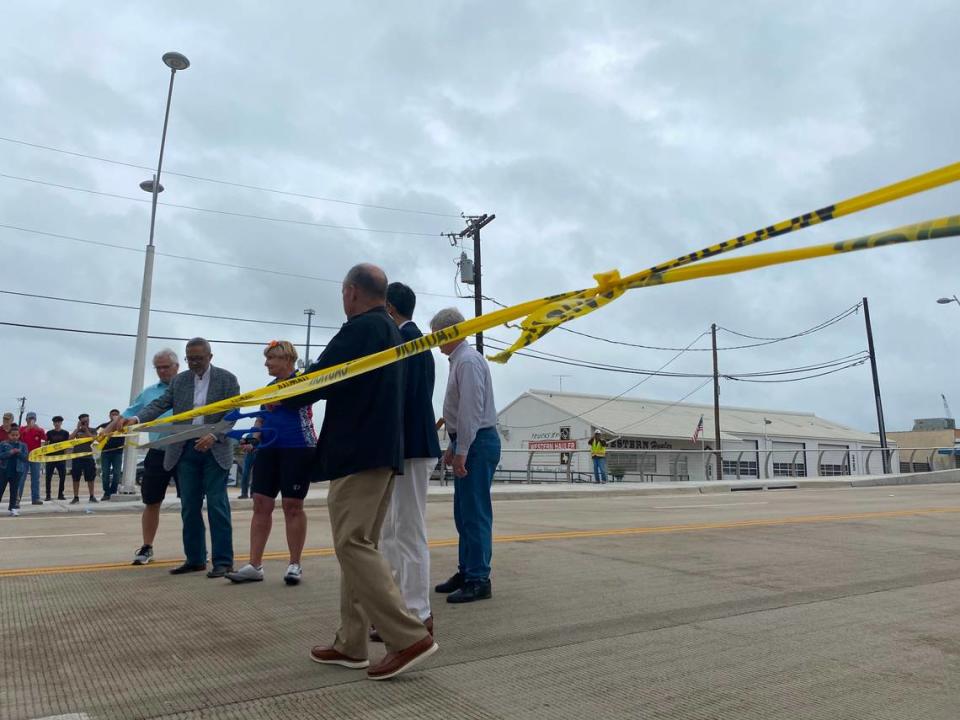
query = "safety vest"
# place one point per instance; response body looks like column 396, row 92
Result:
column 597, row 448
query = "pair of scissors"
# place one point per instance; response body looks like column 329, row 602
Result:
column 181, row 432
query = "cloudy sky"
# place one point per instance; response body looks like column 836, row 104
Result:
column 603, row 135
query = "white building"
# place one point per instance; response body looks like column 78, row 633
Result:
column 653, row 440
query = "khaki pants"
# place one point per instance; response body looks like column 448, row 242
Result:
column 357, row 505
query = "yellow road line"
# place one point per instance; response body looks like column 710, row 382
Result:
column 531, row 537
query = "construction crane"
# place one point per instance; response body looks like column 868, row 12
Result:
column 946, row 407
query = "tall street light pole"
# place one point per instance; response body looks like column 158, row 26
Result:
column 309, row 312
column 175, row 61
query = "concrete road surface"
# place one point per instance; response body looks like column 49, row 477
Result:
column 826, row 603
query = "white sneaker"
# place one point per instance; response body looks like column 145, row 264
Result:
column 248, row 573
column 293, row 575
column 15, row 512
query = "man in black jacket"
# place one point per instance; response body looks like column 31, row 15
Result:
column 403, row 540
column 359, row 449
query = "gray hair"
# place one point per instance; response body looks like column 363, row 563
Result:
column 167, row 353
column 200, row 342
column 445, row 318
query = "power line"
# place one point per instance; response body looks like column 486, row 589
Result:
column 227, row 182
column 576, row 362
column 610, row 400
column 234, row 266
column 214, row 211
column 806, row 377
column 816, row 328
column 664, row 409
column 166, row 312
column 259, row 343
column 767, row 341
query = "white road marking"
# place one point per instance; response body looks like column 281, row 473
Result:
column 39, row 537
column 694, row 507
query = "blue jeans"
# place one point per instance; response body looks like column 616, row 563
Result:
column 200, row 475
column 13, row 484
column 472, row 509
column 34, row 481
column 111, row 465
column 599, row 469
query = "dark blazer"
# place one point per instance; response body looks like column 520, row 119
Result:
column 419, row 423
column 363, row 421
column 179, row 398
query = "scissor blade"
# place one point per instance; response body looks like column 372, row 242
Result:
column 191, row 432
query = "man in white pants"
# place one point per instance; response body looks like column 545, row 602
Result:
column 403, row 539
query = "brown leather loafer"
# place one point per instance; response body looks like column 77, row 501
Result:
column 375, row 636
column 398, row 662
column 328, row 656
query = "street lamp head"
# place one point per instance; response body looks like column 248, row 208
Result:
column 147, row 186
column 175, row 61
column 945, row 301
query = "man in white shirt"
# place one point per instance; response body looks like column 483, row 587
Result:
column 474, row 452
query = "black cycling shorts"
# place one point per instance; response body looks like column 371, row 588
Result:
column 282, row 470
column 156, row 480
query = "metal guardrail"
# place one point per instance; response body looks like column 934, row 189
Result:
column 769, row 464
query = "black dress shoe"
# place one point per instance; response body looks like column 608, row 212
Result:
column 187, row 568
column 454, row 582
column 471, row 590
column 219, row 571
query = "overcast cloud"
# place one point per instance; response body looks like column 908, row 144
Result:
column 603, row 135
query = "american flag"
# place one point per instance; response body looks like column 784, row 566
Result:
column 698, row 431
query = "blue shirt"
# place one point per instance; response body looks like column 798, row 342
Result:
column 146, row 397
column 294, row 426
column 14, row 465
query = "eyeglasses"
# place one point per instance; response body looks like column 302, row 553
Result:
column 196, row 358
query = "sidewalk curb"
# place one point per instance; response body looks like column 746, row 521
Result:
column 544, row 491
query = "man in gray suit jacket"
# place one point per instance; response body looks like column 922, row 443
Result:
column 202, row 464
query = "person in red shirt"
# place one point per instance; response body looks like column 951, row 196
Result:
column 5, row 428
column 33, row 436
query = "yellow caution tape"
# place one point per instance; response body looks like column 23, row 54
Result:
column 539, row 324
column 555, row 310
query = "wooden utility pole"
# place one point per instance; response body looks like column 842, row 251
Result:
column 474, row 223
column 716, row 404
column 876, row 390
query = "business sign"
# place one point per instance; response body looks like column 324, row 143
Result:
column 553, row 445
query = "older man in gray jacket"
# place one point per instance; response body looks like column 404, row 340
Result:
column 202, row 464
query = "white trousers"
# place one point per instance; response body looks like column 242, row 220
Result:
column 403, row 538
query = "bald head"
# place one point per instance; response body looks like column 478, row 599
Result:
column 364, row 288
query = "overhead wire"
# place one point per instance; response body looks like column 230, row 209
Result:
column 252, row 268
column 165, row 312
column 215, row 211
column 768, row 341
column 663, row 409
column 576, row 362
column 228, row 182
column 609, row 400
column 806, row 377
column 108, row 333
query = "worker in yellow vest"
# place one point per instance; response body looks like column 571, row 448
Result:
column 598, row 451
